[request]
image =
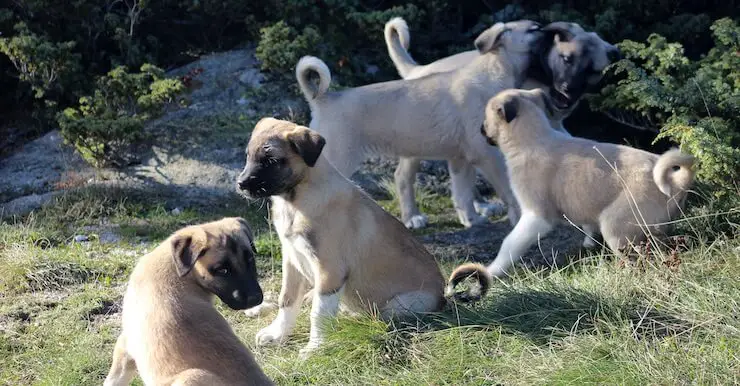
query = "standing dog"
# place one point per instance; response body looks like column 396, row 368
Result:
column 333, row 237
column 624, row 192
column 437, row 117
column 171, row 331
column 569, row 58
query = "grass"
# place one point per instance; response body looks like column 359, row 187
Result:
column 594, row 321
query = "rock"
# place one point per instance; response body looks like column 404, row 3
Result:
column 251, row 77
column 26, row 204
column 176, row 211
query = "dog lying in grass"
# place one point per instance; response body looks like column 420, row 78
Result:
column 625, row 193
column 171, row 331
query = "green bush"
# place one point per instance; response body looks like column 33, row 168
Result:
column 694, row 103
column 103, row 125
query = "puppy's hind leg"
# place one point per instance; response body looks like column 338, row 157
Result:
column 411, row 303
column 405, row 176
column 123, row 368
column 527, row 230
column 462, row 181
column 490, row 161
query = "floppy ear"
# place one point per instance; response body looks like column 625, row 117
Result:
column 307, row 143
column 184, row 254
column 248, row 230
column 507, row 109
column 490, row 39
column 561, row 30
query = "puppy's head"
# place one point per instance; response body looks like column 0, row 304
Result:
column 574, row 60
column 516, row 112
column 219, row 257
column 516, row 37
column 279, row 154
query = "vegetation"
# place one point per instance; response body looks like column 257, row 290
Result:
column 669, row 319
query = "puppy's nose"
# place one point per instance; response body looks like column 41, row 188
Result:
column 254, row 299
column 243, row 181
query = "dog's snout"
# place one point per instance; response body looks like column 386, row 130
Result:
column 244, row 180
column 254, row 299
column 614, row 55
column 237, row 295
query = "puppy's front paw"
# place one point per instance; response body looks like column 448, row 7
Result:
column 307, row 351
column 475, row 220
column 259, row 310
column 417, row 221
column 270, row 335
column 490, row 209
column 589, row 242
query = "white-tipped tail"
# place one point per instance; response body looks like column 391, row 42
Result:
column 674, row 172
column 397, row 39
column 302, row 70
column 463, row 272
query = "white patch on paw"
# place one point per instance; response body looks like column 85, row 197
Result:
column 467, row 223
column 490, row 209
column 588, row 242
column 307, row 351
column 270, row 335
column 417, row 221
column 260, row 310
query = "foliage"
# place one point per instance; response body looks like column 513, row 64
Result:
column 106, row 123
column 696, row 103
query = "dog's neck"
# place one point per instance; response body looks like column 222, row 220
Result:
column 321, row 181
column 502, row 62
column 525, row 136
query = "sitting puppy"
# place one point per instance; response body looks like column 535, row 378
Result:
column 621, row 191
column 171, row 332
column 334, row 238
column 434, row 117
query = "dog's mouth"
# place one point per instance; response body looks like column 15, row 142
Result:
column 560, row 100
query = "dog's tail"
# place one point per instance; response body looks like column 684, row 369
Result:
column 305, row 66
column 674, row 172
column 397, row 39
column 462, row 272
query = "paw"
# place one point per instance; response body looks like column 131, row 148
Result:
column 490, row 209
column 270, row 335
column 417, row 221
column 309, row 350
column 259, row 310
column 471, row 222
column 588, row 242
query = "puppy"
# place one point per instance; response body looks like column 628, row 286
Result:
column 624, row 192
column 333, row 237
column 171, row 332
column 587, row 56
column 437, row 116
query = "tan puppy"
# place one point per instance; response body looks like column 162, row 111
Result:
column 623, row 192
column 334, row 238
column 171, row 332
column 588, row 55
column 435, row 117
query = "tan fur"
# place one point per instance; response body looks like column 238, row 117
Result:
column 622, row 191
column 436, row 117
column 171, row 331
column 334, row 238
column 397, row 40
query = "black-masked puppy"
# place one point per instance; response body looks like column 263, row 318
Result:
column 334, row 238
column 623, row 192
column 171, row 331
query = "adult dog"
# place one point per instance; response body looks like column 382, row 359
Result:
column 171, row 331
column 624, row 192
column 333, row 237
column 569, row 58
column 437, row 116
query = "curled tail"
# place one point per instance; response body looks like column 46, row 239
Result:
column 397, row 40
column 465, row 271
column 674, row 172
column 305, row 66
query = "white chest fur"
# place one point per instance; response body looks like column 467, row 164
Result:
column 292, row 228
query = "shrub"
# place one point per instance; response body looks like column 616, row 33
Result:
column 103, row 125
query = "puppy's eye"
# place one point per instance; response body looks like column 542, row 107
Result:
column 535, row 27
column 221, row 271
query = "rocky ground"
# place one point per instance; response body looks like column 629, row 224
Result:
column 196, row 153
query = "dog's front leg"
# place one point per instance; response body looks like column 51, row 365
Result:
column 289, row 304
column 123, row 368
column 405, row 177
column 330, row 281
column 462, row 181
column 529, row 228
